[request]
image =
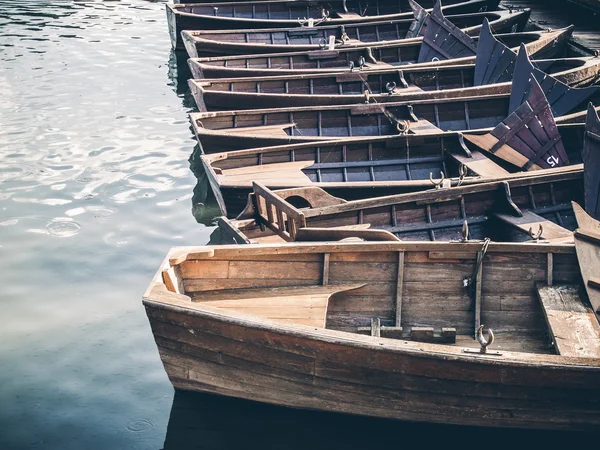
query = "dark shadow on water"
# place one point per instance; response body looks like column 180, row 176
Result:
column 205, row 421
column 204, row 205
column 179, row 73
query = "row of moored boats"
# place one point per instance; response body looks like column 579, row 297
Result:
column 411, row 204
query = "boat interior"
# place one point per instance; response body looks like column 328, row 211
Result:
column 534, row 208
column 424, row 292
column 409, row 159
column 360, row 32
column 382, row 82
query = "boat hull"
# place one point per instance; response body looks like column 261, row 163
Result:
column 189, row 21
column 333, row 371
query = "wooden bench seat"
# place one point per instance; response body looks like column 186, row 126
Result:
column 277, row 174
column 306, row 305
column 572, row 325
column 275, row 130
column 551, row 232
column 481, row 165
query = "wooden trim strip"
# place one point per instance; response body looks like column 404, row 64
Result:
column 399, row 287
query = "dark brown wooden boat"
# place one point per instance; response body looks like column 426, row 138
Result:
column 403, row 56
column 359, row 35
column 286, row 324
column 286, row 14
column 591, row 159
column 510, row 211
column 234, row 130
column 362, row 168
column 384, row 86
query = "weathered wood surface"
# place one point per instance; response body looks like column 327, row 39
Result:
column 487, row 208
column 270, row 14
column 236, row 354
column 383, row 86
column 360, row 168
column 540, row 45
column 587, row 243
column 444, row 40
column 591, row 163
column 573, row 326
column 528, row 138
column 561, row 97
column 201, row 43
column 305, row 305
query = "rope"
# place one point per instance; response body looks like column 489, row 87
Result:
column 471, row 282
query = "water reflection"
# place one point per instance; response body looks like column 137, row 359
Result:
column 95, row 186
column 205, row 421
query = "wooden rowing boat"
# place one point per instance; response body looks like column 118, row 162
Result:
column 286, row 14
column 235, row 130
column 385, row 330
column 381, row 86
column 540, row 45
column 509, row 211
column 527, row 140
column 359, row 35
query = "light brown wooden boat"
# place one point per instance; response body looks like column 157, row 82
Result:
column 286, row 323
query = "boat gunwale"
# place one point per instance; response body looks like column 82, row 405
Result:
column 176, row 9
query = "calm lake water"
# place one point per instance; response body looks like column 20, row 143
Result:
column 95, row 186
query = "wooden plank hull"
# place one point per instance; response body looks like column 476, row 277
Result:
column 355, row 168
column 440, row 83
column 278, row 40
column 540, row 45
column 272, row 14
column 434, row 215
column 210, row 349
column 224, row 131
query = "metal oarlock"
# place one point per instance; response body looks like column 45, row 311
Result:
column 402, row 126
column 483, row 343
column 465, row 231
column 390, row 87
column 437, row 184
column 537, row 235
column 462, row 173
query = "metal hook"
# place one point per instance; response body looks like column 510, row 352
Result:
column 324, row 14
column 462, row 173
column 536, row 236
column 361, row 62
column 483, row 341
column 402, row 126
column 322, row 44
column 437, row 184
column 390, row 87
column 465, row 231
